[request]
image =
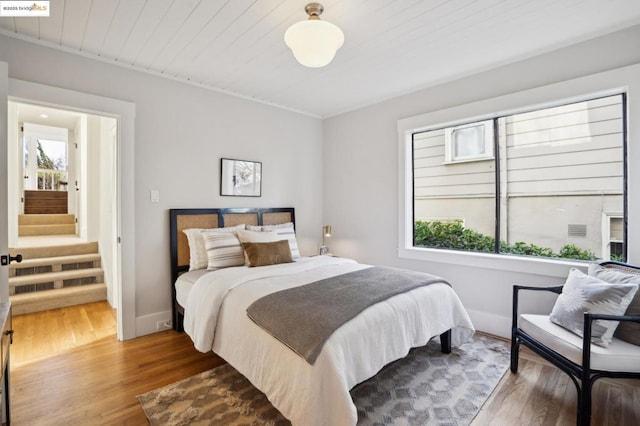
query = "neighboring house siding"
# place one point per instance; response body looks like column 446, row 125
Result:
column 572, row 149
column 560, row 167
column 433, row 178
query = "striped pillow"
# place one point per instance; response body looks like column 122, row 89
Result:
column 198, row 258
column 223, row 250
column 286, row 232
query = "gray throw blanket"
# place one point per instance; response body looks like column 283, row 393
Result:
column 304, row 317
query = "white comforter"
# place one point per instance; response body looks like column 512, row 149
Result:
column 216, row 319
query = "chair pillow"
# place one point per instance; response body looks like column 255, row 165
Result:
column 583, row 293
column 627, row 331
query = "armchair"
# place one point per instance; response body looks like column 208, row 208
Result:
column 564, row 349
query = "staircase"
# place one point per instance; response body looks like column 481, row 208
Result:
column 55, row 276
column 46, row 224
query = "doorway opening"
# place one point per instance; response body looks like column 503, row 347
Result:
column 63, row 207
column 123, row 112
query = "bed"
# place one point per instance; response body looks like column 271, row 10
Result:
column 212, row 308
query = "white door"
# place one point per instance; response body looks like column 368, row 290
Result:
column 4, row 195
column 30, row 149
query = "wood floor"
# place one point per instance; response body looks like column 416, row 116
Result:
column 68, row 368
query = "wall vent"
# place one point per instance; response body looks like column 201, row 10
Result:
column 577, row 230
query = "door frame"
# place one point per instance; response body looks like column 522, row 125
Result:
column 124, row 113
column 4, row 155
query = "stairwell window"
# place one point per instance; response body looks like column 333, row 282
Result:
column 521, row 180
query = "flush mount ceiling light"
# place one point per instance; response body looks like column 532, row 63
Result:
column 314, row 42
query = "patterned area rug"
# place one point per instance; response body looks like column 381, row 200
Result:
column 425, row 388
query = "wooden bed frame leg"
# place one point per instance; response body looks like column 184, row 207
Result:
column 445, row 342
column 178, row 320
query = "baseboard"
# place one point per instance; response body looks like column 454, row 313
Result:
column 148, row 324
column 491, row 323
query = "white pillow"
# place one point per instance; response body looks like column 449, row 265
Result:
column 286, row 231
column 583, row 293
column 258, row 237
column 198, row 258
column 197, row 250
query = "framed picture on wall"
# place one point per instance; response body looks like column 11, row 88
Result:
column 240, row 178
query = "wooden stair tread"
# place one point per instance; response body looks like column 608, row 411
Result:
column 57, row 298
column 32, row 230
column 54, row 276
column 52, row 251
column 56, row 260
column 44, row 227
column 46, row 219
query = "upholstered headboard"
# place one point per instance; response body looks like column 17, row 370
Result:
column 180, row 219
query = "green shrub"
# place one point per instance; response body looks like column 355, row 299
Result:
column 571, row 251
column 453, row 235
column 617, row 257
column 522, row 248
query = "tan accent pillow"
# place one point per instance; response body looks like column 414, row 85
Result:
column 263, row 254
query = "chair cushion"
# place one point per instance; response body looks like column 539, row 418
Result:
column 627, row 331
column 583, row 293
column 618, row 356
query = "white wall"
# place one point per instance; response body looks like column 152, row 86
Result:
column 361, row 174
column 91, row 184
column 181, row 132
column 81, row 185
column 107, row 201
column 71, row 171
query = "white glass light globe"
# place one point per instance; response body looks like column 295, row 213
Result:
column 314, row 42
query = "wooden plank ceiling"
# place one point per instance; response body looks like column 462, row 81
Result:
column 391, row 46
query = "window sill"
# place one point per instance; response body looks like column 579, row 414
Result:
column 467, row 160
column 527, row 265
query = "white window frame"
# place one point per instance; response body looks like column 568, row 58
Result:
column 487, row 154
column 626, row 79
column 606, row 232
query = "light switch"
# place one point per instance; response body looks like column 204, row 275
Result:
column 155, row 196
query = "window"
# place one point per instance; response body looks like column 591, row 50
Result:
column 52, row 164
column 534, row 183
column 469, row 142
column 613, row 236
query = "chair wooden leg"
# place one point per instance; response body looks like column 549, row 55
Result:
column 584, row 403
column 515, row 352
